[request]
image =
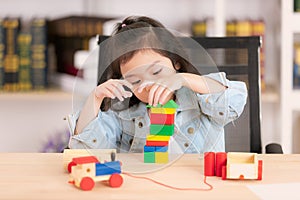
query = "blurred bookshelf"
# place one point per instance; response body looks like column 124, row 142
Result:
column 30, row 57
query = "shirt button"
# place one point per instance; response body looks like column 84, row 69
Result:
column 140, row 124
column 186, row 144
column 94, row 140
column 221, row 113
column 190, row 130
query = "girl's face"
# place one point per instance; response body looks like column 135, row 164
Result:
column 145, row 68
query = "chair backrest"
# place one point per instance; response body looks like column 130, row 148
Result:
column 238, row 57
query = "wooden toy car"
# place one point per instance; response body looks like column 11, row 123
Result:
column 102, row 155
column 85, row 171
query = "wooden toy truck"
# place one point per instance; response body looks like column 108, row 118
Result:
column 233, row 165
column 102, row 155
column 85, row 171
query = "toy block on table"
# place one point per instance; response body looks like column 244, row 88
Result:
column 158, row 129
column 161, row 129
column 233, row 165
column 158, row 138
column 157, row 143
column 169, row 108
column 158, row 118
column 161, row 157
column 149, row 148
column 162, row 110
column 161, row 149
column 149, row 157
column 155, row 148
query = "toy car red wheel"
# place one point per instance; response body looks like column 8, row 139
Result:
column 115, row 180
column 87, row 183
column 260, row 164
column 70, row 165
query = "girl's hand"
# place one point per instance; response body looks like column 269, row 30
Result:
column 162, row 89
column 113, row 88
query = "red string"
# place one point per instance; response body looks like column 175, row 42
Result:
column 210, row 187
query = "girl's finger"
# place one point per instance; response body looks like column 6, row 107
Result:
column 108, row 94
column 157, row 95
column 164, row 96
column 127, row 84
column 144, row 85
column 151, row 94
column 114, row 90
column 120, row 87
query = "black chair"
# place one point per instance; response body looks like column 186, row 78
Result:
column 238, row 57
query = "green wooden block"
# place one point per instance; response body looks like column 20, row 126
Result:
column 149, row 157
column 157, row 129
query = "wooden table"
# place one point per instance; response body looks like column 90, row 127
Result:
column 41, row 176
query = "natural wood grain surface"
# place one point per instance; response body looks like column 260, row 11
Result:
column 42, row 176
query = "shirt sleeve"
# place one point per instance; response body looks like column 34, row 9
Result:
column 226, row 106
column 102, row 133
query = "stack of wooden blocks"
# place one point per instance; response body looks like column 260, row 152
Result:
column 161, row 129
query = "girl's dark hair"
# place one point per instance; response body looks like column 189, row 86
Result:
column 169, row 46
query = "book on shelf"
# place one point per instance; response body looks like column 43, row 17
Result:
column 296, row 67
column 70, row 34
column 39, row 53
column 248, row 28
column 24, row 46
column 296, row 5
column 202, row 28
column 1, row 54
column 258, row 29
column 199, row 28
column 11, row 57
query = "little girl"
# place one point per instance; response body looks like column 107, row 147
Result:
column 152, row 69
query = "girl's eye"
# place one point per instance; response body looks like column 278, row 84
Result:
column 157, row 72
column 136, row 82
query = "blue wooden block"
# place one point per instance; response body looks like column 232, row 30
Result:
column 161, row 149
column 108, row 168
column 149, row 149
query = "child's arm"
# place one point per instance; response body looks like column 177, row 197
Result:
column 202, row 84
column 111, row 89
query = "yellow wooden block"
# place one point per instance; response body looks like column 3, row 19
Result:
column 161, row 157
column 163, row 110
column 158, row 138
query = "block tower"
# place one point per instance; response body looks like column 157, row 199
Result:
column 161, row 129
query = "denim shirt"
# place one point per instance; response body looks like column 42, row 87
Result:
column 199, row 122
